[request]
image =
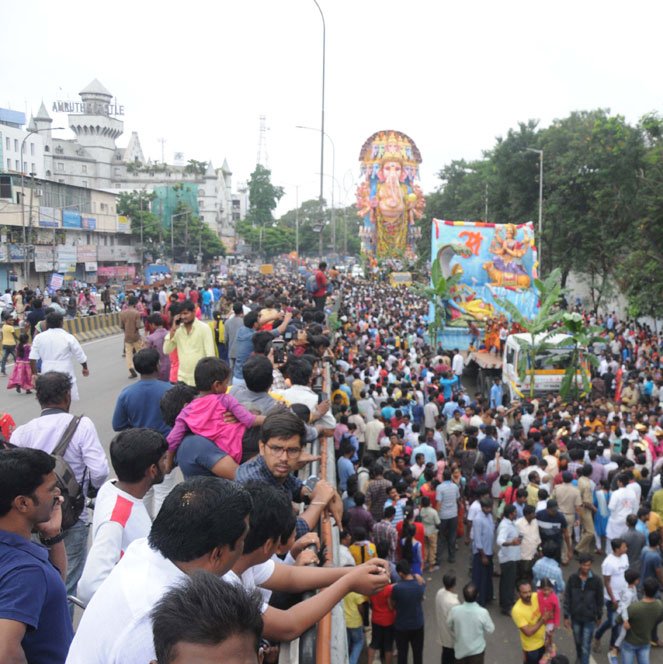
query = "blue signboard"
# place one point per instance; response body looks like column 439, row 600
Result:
column 71, row 219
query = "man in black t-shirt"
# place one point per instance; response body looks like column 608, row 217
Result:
column 553, row 528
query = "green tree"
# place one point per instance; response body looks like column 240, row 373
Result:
column 145, row 224
column 196, row 167
column 191, row 235
column 263, row 197
column 438, row 293
column 640, row 273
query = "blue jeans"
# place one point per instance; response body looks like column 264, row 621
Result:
column 582, row 635
column 639, row 654
column 609, row 623
column 75, row 543
column 355, row 643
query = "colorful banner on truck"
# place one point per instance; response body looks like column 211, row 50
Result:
column 492, row 261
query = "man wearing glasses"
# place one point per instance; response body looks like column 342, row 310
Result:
column 281, row 442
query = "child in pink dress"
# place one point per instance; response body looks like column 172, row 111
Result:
column 21, row 375
column 548, row 603
column 207, row 415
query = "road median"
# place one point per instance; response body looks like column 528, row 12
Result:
column 86, row 328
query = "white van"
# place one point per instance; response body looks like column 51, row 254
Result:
column 549, row 367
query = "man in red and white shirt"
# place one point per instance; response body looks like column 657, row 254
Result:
column 138, row 457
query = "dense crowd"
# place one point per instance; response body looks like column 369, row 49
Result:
column 231, row 385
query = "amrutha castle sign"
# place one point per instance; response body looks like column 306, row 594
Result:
column 87, row 107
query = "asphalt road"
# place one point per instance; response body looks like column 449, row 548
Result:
column 98, row 392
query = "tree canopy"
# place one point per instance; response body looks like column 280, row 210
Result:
column 602, row 199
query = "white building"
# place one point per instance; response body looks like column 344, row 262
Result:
column 92, row 159
column 12, row 137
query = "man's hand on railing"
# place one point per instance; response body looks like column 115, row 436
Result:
column 304, row 459
column 307, row 557
column 310, row 539
column 368, row 578
column 325, row 494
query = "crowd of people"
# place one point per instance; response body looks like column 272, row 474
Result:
column 434, row 482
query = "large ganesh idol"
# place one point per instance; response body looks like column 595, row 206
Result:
column 389, row 199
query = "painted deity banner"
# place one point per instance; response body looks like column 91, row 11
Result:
column 389, row 198
column 493, row 261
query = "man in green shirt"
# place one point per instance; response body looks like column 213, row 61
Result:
column 468, row 624
column 642, row 620
column 192, row 339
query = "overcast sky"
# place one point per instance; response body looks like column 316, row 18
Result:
column 451, row 75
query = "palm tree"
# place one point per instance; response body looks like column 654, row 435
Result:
column 582, row 338
column 438, row 293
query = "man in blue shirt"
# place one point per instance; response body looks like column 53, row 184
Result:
column 488, row 445
column 450, row 407
column 138, row 406
column 207, row 303
column 427, row 450
column 483, row 531
column 447, row 384
column 407, row 598
column 243, row 346
column 346, row 468
column 34, row 620
column 496, row 394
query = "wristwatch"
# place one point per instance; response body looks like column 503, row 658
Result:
column 52, row 541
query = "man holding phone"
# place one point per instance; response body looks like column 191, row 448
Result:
column 192, row 339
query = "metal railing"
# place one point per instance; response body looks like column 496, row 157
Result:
column 325, row 642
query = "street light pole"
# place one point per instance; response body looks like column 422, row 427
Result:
column 540, row 153
column 322, row 124
column 333, row 215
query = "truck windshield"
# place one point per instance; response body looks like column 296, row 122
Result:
column 557, row 359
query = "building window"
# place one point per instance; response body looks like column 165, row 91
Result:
column 118, row 171
column 84, row 168
column 8, row 143
column 34, row 168
column 60, row 166
column 9, row 164
column 32, row 149
column 25, row 166
column 18, row 166
column 16, row 145
column 46, row 148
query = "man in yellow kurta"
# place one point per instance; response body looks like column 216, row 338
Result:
column 192, row 339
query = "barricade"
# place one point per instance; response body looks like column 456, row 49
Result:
column 86, row 328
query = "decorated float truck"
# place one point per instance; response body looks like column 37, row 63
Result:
column 484, row 264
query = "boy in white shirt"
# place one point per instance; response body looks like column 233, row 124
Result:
column 138, row 457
